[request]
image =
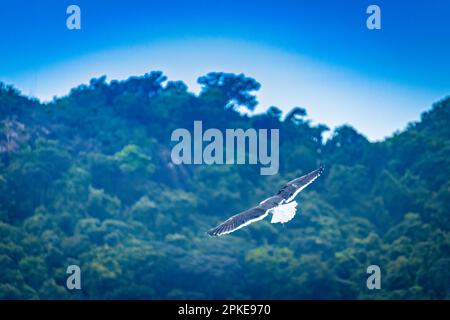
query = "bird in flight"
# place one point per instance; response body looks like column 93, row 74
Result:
column 282, row 206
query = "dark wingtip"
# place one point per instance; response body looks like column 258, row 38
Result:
column 321, row 168
column 211, row 233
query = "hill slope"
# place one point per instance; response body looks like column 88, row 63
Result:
column 87, row 180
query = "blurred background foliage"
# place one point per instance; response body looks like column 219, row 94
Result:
column 87, row 179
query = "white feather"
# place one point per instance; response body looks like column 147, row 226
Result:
column 284, row 212
column 245, row 224
column 301, row 188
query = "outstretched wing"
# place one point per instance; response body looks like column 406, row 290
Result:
column 239, row 221
column 281, row 205
column 290, row 190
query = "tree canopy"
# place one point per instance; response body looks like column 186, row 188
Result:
column 87, row 179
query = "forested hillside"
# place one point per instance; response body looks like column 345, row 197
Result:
column 87, row 179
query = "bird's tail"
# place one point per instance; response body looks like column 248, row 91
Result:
column 284, row 212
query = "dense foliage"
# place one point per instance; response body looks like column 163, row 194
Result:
column 87, row 179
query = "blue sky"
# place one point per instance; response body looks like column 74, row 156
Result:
column 314, row 54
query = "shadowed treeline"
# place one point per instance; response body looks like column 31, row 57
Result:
column 87, row 180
